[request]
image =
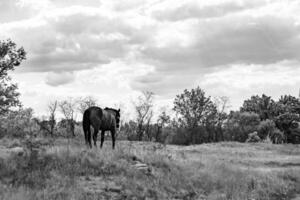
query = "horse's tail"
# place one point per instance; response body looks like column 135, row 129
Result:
column 86, row 125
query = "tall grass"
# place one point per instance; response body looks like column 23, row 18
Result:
column 62, row 171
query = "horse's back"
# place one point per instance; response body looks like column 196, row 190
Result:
column 101, row 119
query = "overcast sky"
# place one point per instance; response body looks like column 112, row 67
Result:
column 114, row 49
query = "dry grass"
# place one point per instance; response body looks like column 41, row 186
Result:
column 66, row 169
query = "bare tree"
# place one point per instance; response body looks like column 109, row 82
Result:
column 52, row 107
column 48, row 125
column 143, row 108
column 162, row 120
column 85, row 103
column 222, row 104
column 68, row 108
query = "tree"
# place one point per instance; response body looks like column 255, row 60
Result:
column 49, row 125
column 85, row 103
column 195, row 111
column 10, row 57
column 68, row 108
column 264, row 106
column 288, row 104
column 288, row 123
column 52, row 107
column 162, row 120
column 193, row 107
column 240, row 124
column 143, row 108
column 222, row 104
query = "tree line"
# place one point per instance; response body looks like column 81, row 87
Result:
column 201, row 119
column 196, row 118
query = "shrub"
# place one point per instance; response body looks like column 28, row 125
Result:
column 185, row 136
column 239, row 125
column 267, row 130
column 18, row 123
column 253, row 137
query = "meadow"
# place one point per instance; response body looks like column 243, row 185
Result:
column 65, row 169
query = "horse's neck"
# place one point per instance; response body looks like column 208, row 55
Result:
column 111, row 112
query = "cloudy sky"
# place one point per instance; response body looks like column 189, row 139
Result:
column 114, row 49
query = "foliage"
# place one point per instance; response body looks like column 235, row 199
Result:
column 18, row 123
column 286, row 123
column 193, row 107
column 288, row 104
column 268, row 130
column 10, row 57
column 162, row 121
column 197, row 117
column 128, row 131
column 264, row 106
column 239, row 125
column 253, row 137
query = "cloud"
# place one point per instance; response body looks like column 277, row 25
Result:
column 66, row 3
column 14, row 10
column 56, row 79
column 246, row 39
column 220, row 43
column 72, row 41
column 194, row 9
column 161, row 46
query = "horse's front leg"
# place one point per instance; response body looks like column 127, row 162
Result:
column 102, row 138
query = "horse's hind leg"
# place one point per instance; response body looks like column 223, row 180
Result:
column 102, row 138
column 113, row 138
column 88, row 137
column 95, row 137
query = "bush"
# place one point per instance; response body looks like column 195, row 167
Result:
column 239, row 125
column 18, row 123
column 277, row 136
column 180, row 137
column 253, row 137
column 185, row 136
column 267, row 130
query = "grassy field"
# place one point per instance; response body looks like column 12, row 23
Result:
column 66, row 169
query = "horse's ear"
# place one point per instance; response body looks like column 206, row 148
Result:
column 119, row 110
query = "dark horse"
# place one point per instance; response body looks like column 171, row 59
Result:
column 107, row 119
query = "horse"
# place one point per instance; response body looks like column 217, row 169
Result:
column 107, row 119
